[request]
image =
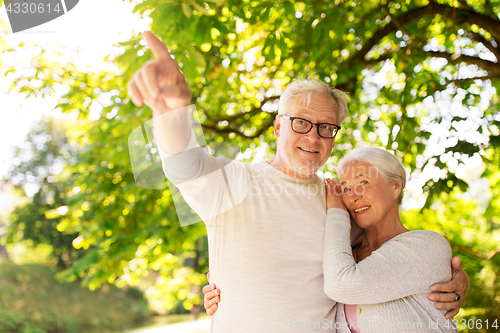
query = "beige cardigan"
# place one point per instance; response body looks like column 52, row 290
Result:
column 390, row 287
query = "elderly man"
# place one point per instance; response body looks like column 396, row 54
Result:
column 265, row 221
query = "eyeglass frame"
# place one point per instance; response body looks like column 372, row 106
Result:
column 310, row 122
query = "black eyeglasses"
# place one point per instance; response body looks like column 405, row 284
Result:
column 303, row 126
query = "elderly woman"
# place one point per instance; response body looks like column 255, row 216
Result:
column 383, row 282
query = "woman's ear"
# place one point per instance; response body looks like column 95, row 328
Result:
column 398, row 187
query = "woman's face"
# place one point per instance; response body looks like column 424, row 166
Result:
column 369, row 198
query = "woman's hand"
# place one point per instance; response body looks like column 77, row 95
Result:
column 212, row 297
column 334, row 194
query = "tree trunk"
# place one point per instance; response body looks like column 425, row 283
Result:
column 3, row 252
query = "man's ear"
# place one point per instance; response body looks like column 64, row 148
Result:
column 277, row 126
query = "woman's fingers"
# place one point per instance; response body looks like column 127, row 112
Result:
column 333, row 181
column 333, row 186
column 334, row 194
column 329, row 186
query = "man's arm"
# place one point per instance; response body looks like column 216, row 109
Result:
column 451, row 296
column 160, row 85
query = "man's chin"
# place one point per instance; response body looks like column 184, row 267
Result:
column 306, row 170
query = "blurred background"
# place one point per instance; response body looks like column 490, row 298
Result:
column 84, row 249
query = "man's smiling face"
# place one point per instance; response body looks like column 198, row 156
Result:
column 301, row 155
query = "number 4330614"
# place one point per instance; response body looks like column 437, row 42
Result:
column 470, row 324
column 32, row 8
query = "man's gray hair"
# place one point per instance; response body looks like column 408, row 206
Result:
column 305, row 88
column 383, row 161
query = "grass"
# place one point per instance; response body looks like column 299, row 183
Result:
column 161, row 321
column 33, row 301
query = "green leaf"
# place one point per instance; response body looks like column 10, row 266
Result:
column 264, row 16
column 3, row 44
column 4, row 26
column 189, row 67
column 186, row 10
column 224, row 30
column 200, row 8
column 464, row 147
column 198, row 59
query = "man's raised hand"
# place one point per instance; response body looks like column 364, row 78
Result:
column 159, row 83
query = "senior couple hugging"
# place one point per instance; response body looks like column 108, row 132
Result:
column 312, row 254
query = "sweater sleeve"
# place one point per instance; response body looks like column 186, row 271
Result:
column 406, row 265
column 208, row 185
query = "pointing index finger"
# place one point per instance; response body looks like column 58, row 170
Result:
column 159, row 49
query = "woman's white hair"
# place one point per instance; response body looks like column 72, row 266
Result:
column 383, row 161
column 306, row 88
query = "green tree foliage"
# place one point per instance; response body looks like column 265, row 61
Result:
column 3, row 43
column 37, row 168
column 474, row 237
column 423, row 77
column 33, row 301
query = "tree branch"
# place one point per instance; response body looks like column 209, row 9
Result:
column 253, row 111
column 480, row 39
column 397, row 24
column 488, row 23
column 477, row 255
column 492, row 25
column 380, row 59
column 226, row 130
column 484, row 64
column 486, row 77
column 464, row 4
column 493, row 253
column 489, row 8
column 390, row 28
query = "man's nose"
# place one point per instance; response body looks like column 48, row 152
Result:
column 313, row 134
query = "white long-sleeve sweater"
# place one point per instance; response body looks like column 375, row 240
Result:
column 265, row 233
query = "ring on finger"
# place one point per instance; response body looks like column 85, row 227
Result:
column 457, row 296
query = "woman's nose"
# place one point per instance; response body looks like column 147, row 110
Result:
column 354, row 196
